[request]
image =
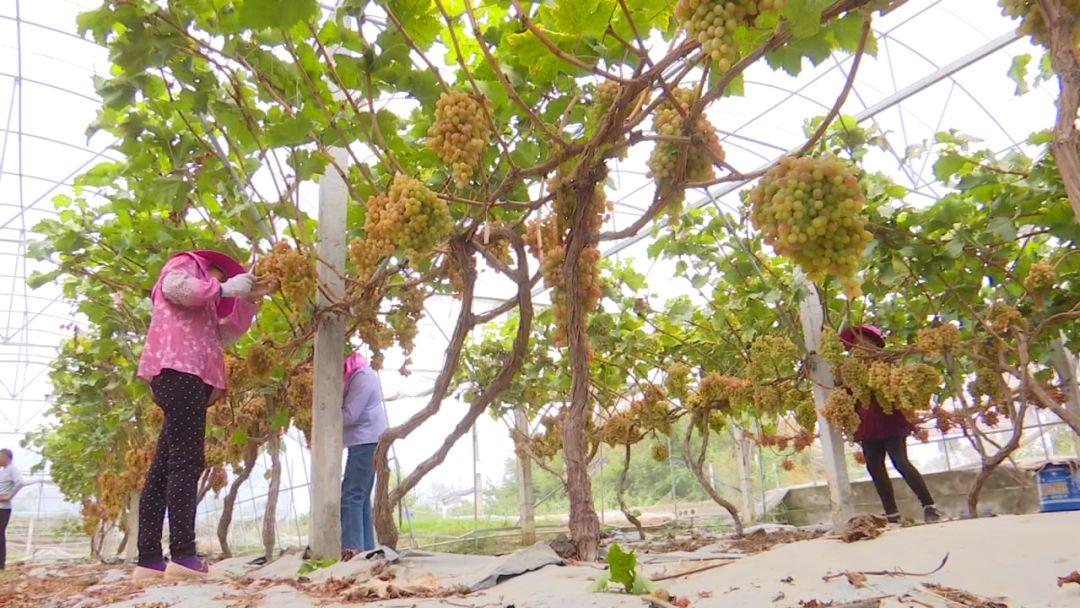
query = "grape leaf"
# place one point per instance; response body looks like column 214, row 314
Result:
column 947, row 166
column 280, row 14
column 804, row 16
column 1018, row 73
column 622, row 564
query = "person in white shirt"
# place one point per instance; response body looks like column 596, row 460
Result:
column 10, row 484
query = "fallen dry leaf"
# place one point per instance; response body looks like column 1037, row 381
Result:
column 856, row 579
column 863, row 527
column 1073, row 577
column 704, row 594
column 788, row 579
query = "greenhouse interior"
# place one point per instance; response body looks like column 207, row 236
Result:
column 539, row 303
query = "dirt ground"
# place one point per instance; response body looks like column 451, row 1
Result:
column 1012, row 561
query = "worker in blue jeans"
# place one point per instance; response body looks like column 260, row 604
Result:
column 363, row 421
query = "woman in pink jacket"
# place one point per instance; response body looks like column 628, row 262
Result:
column 202, row 300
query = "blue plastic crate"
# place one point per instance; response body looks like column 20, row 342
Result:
column 1059, row 486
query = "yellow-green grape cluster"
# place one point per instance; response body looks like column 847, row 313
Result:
column 940, row 340
column 988, row 384
column 772, row 357
column 811, row 210
column 904, row 388
column 831, row 348
column 840, row 411
column 377, row 335
column 548, row 443
column 298, row 398
column 677, row 381
column 1005, row 318
column 219, row 478
column 854, row 374
column 260, row 358
column 288, row 270
column 1039, row 277
column 653, row 411
column 620, row 429
column 410, row 216
column 722, row 392
column 660, row 452
column 806, row 415
column 366, row 253
column 460, row 133
column 664, row 162
column 713, row 23
column 405, row 317
column 603, row 98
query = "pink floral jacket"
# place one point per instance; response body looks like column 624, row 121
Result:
column 186, row 333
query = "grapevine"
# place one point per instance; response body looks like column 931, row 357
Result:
column 1032, row 19
column 810, row 209
column 460, row 133
column 288, row 270
column 699, row 156
column 713, row 23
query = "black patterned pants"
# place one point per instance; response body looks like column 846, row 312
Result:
column 173, row 478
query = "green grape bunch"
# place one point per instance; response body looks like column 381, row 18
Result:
column 460, row 133
column 713, row 23
column 840, row 411
column 811, row 210
column 664, row 161
column 409, row 215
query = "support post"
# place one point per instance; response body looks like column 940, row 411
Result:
column 326, row 441
column 832, row 443
column 746, row 474
column 131, row 551
column 526, row 492
column 477, row 481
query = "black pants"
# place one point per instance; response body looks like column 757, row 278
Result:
column 896, row 447
column 5, row 517
column 173, row 478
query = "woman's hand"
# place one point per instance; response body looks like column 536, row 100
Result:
column 262, row 288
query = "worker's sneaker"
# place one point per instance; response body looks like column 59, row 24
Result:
column 931, row 514
column 187, row 568
column 892, row 518
column 149, row 572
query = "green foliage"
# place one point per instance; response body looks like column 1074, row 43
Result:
column 622, row 569
column 311, row 565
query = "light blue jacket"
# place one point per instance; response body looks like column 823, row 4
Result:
column 363, row 416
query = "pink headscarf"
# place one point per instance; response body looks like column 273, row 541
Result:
column 352, row 363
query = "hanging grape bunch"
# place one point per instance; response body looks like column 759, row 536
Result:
column 260, row 358
column 1040, row 277
column 410, row 216
column 713, row 23
column 660, row 452
column 288, row 270
column 406, row 315
column 460, row 133
column 939, row 340
column 664, row 163
column 603, row 98
column 810, row 209
column 840, row 411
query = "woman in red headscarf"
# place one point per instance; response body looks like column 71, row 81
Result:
column 201, row 301
column 880, row 434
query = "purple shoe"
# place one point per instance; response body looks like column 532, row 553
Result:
column 149, row 572
column 186, row 568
